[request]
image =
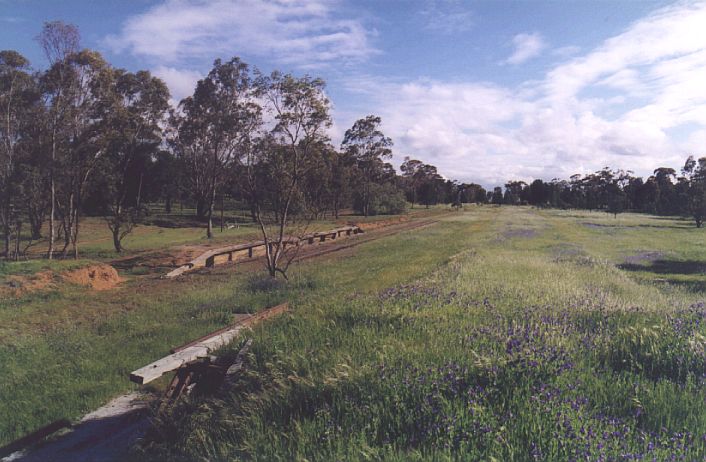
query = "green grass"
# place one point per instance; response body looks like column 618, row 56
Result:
column 65, row 352
column 529, row 344
column 161, row 231
column 28, row 268
column 500, row 333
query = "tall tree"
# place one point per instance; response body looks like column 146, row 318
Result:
column 132, row 122
column 77, row 85
column 369, row 147
column 694, row 173
column 15, row 99
column 409, row 169
column 58, row 40
column 300, row 115
column 213, row 127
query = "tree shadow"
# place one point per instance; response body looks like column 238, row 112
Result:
column 682, row 225
column 668, row 267
column 690, row 286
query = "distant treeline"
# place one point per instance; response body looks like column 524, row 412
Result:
column 85, row 138
column 615, row 191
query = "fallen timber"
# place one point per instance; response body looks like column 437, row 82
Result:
column 208, row 258
column 201, row 348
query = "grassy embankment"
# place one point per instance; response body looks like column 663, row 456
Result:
column 549, row 336
column 63, row 352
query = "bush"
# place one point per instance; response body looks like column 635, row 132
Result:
column 385, row 199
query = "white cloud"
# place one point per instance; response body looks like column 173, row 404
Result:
column 527, row 46
column 304, row 33
column 181, row 82
column 615, row 105
column 447, row 17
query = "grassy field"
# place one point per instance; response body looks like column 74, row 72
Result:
column 66, row 351
column 528, row 338
column 499, row 333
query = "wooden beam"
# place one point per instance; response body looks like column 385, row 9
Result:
column 208, row 258
column 201, row 347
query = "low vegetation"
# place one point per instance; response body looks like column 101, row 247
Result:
column 529, row 344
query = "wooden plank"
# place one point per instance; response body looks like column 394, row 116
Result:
column 201, row 348
column 207, row 259
column 169, row 363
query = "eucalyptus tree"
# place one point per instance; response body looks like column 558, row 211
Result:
column 212, row 129
column 15, row 100
column 276, row 167
column 77, row 143
column 59, row 41
column 369, row 147
column 342, row 181
column 694, row 173
column 132, row 116
column 410, row 168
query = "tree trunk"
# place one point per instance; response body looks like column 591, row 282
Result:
column 35, row 224
column 6, row 232
column 221, row 213
column 139, row 191
column 200, row 207
column 52, row 213
column 18, row 231
column 74, row 236
column 168, row 204
column 116, row 237
column 211, row 203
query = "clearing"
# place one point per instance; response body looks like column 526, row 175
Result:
column 507, row 333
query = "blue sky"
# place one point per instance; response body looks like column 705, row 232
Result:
column 487, row 91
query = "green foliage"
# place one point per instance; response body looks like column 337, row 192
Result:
column 383, row 199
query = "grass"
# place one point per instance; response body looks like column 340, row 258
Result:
column 529, row 344
column 500, row 333
column 160, row 231
column 65, row 352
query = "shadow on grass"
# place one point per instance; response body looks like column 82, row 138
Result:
column 690, row 286
column 684, row 225
column 668, row 267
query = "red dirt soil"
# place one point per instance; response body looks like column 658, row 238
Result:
column 97, row 276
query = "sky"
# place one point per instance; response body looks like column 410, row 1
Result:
column 488, row 91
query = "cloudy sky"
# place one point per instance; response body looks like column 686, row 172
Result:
column 487, row 91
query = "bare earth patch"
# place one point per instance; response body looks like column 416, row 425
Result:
column 17, row 286
column 97, row 276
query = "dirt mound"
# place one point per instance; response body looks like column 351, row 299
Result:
column 98, row 276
